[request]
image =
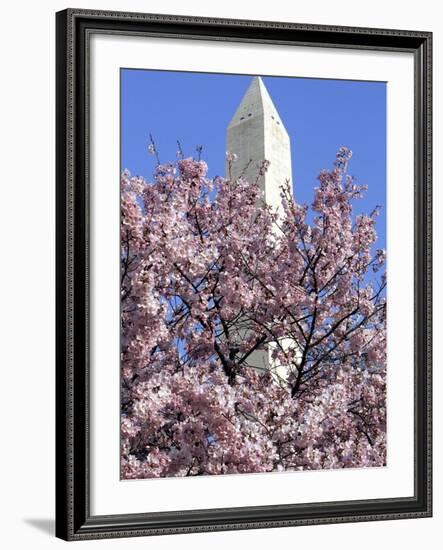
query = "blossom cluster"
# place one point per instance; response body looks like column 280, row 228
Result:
column 211, row 276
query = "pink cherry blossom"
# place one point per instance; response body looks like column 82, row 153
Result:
column 210, row 275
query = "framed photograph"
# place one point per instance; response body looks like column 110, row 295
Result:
column 231, row 353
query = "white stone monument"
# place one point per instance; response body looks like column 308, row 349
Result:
column 257, row 133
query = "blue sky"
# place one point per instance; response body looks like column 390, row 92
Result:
column 320, row 116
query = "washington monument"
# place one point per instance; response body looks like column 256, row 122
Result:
column 257, row 133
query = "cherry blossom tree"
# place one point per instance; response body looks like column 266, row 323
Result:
column 210, row 275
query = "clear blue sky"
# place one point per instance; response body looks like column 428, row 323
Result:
column 320, row 116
